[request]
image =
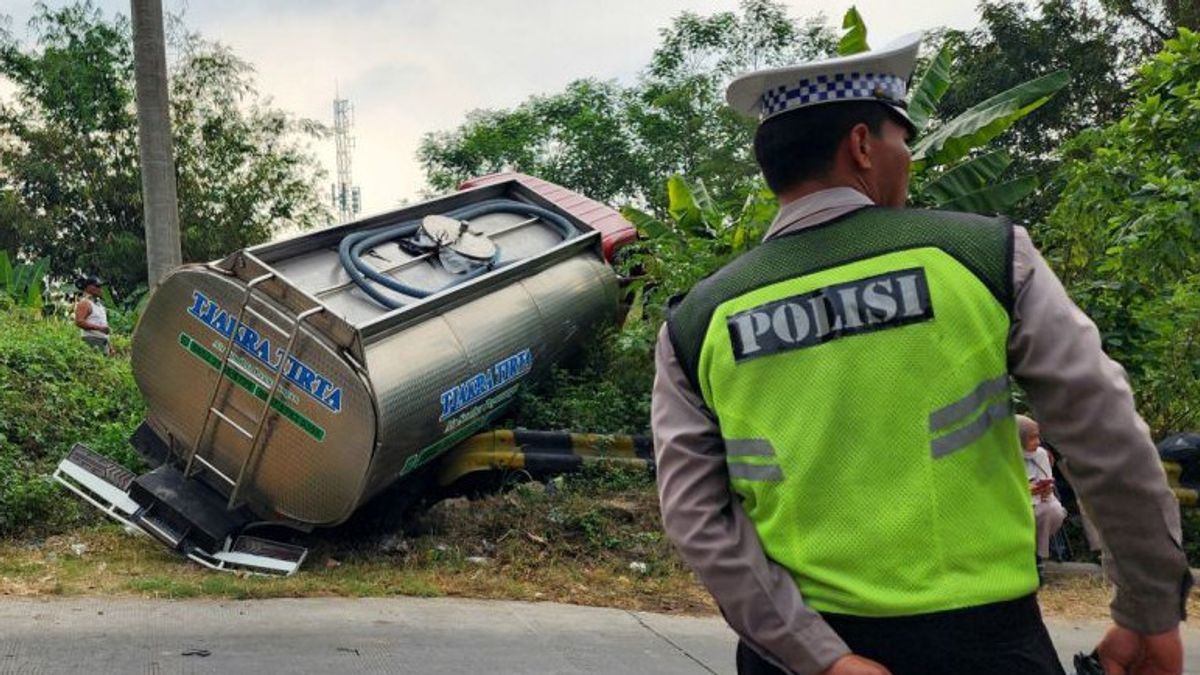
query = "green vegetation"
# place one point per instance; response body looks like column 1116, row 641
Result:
column 70, row 191
column 591, row 539
column 1120, row 212
column 949, row 171
column 56, row 391
column 619, row 144
column 1191, row 535
column 1125, row 236
column 607, row 391
column 22, row 284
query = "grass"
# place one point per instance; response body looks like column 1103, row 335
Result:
column 1087, row 598
column 117, row 564
column 114, row 563
column 571, row 541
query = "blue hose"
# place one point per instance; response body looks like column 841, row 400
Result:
column 352, row 246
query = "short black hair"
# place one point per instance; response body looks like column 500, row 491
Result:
column 800, row 144
column 86, row 280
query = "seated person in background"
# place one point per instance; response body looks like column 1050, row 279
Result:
column 1048, row 512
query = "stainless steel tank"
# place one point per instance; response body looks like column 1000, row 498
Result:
column 276, row 381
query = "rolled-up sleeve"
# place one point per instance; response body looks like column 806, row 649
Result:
column 714, row 536
column 1084, row 404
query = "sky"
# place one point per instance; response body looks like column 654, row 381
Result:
column 410, row 67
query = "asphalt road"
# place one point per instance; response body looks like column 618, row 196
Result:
column 395, row 635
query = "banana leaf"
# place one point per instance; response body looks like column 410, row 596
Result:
column 691, row 207
column 6, row 273
column 987, row 120
column 646, row 224
column 704, row 201
column 968, row 177
column 20, row 282
column 994, row 199
column 36, row 284
column 855, row 39
column 33, row 297
column 930, row 90
column 636, row 291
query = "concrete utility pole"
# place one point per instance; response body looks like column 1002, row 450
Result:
column 159, row 200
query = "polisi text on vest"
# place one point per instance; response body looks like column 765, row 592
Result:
column 875, row 303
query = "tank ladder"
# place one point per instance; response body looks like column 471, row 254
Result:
column 199, row 453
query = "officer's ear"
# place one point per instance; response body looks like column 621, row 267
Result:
column 859, row 144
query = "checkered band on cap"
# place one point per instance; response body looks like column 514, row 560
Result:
column 837, row 87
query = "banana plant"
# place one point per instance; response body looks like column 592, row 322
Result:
column 697, row 237
column 24, row 283
column 951, row 168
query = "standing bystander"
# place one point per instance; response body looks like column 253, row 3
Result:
column 90, row 314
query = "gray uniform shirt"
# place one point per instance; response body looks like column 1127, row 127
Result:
column 1080, row 397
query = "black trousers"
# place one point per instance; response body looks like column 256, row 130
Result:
column 1004, row 638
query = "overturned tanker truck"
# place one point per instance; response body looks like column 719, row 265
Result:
column 289, row 383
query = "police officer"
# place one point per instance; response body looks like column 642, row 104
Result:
column 837, row 457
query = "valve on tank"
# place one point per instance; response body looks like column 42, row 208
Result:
column 459, row 248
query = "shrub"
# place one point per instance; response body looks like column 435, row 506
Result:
column 606, row 392
column 56, row 391
column 1125, row 238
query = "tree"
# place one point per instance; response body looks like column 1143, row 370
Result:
column 621, row 144
column 1125, row 237
column 70, row 151
column 243, row 172
column 1015, row 43
column 69, row 188
column 726, row 44
column 1159, row 18
column 578, row 138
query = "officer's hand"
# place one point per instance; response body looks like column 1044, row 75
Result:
column 855, row 665
column 1124, row 652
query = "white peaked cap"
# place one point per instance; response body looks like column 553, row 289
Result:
column 879, row 75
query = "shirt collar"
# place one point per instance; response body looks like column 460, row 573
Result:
column 816, row 208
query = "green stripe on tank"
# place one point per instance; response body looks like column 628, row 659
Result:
column 193, row 347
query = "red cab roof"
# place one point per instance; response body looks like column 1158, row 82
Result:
column 615, row 231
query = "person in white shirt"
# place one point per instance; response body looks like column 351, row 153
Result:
column 90, row 315
column 1048, row 512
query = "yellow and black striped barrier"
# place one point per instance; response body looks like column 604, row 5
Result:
column 541, row 453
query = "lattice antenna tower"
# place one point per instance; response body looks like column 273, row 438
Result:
column 347, row 198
